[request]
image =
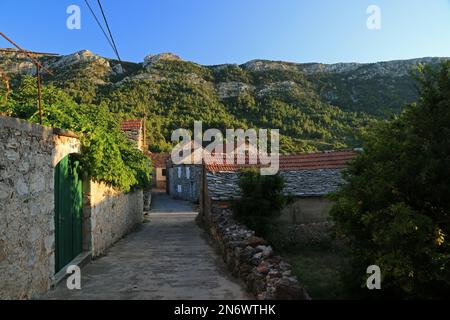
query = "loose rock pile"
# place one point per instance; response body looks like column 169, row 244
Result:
column 251, row 259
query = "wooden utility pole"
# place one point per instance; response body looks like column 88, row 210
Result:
column 39, row 66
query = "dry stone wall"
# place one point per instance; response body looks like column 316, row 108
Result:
column 252, row 259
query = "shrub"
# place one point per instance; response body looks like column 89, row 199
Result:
column 261, row 201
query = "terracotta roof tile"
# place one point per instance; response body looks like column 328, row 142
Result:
column 131, row 125
column 159, row 160
column 295, row 162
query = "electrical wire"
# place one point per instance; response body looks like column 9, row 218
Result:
column 109, row 30
column 100, row 25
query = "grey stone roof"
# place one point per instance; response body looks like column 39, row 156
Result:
column 317, row 182
column 223, row 185
column 302, row 183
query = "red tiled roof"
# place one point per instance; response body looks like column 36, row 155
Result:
column 159, row 160
column 295, row 162
column 131, row 125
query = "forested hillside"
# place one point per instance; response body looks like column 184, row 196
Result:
column 315, row 106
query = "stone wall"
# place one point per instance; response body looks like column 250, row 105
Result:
column 28, row 154
column 111, row 215
column 147, row 194
column 251, row 259
column 306, row 220
column 307, row 210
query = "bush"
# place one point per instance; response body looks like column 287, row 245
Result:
column 261, row 202
column 394, row 209
column 107, row 155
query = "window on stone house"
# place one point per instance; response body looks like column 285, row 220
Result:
column 188, row 173
column 163, row 172
column 179, row 172
column 179, row 188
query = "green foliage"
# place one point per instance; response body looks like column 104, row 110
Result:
column 107, row 154
column 395, row 208
column 380, row 96
column 261, row 201
column 175, row 93
column 24, row 98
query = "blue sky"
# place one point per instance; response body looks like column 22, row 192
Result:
column 235, row 31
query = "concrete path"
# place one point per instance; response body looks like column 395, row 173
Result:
column 169, row 257
column 163, row 203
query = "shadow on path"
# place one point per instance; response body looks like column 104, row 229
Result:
column 169, row 257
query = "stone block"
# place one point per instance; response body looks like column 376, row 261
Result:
column 22, row 187
column 5, row 191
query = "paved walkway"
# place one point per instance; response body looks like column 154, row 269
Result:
column 170, row 257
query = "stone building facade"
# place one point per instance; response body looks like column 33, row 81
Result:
column 159, row 174
column 135, row 132
column 183, row 176
column 184, row 181
column 29, row 154
column 309, row 178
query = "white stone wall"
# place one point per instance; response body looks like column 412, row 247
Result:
column 27, row 241
column 112, row 215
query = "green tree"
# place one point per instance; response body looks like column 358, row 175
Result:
column 261, row 201
column 107, row 154
column 394, row 209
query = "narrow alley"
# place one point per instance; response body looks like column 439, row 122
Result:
column 169, row 257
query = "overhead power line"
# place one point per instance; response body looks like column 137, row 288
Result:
column 109, row 30
column 110, row 40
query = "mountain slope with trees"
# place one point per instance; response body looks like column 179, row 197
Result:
column 315, row 106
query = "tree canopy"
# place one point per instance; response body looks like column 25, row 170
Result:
column 107, row 154
column 394, row 209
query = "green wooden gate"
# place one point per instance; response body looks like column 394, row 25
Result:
column 68, row 211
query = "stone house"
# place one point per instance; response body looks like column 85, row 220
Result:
column 135, row 132
column 159, row 174
column 185, row 182
column 51, row 215
column 184, row 179
column 309, row 178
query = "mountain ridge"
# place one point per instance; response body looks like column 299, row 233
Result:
column 316, row 106
column 310, row 67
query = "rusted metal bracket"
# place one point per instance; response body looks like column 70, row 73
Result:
column 39, row 66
